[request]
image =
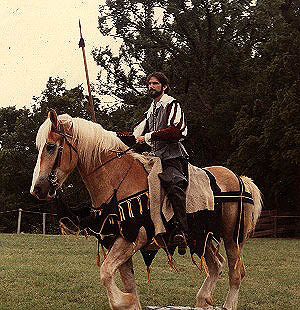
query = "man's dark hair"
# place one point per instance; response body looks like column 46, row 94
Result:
column 162, row 79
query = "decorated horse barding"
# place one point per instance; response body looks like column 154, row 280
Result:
column 112, row 175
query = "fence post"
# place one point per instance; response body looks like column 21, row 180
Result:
column 275, row 223
column 44, row 223
column 19, row 221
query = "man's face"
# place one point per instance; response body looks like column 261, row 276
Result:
column 155, row 88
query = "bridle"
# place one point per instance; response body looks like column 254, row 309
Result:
column 52, row 178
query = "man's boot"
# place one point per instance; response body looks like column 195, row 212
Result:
column 177, row 198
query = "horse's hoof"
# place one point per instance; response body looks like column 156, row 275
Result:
column 180, row 241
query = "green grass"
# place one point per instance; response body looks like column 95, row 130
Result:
column 54, row 272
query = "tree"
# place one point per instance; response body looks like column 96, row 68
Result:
column 202, row 47
column 16, row 160
column 18, row 129
column 268, row 128
column 290, row 10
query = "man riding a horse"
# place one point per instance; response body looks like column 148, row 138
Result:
column 117, row 182
column 163, row 128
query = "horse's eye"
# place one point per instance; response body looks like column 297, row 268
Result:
column 51, row 147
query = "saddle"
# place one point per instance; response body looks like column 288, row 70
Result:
column 199, row 194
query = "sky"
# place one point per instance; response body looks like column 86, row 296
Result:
column 39, row 39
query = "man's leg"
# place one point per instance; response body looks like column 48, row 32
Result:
column 174, row 182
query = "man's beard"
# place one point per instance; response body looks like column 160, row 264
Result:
column 154, row 93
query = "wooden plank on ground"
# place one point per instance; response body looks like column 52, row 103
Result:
column 182, row 308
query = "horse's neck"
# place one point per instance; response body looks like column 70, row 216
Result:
column 125, row 174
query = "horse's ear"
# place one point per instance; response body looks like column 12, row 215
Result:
column 53, row 118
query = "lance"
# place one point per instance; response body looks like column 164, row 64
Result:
column 82, row 45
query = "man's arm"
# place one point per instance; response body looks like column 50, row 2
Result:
column 136, row 135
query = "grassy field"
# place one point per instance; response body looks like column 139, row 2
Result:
column 54, row 272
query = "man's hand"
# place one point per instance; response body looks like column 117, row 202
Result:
column 140, row 140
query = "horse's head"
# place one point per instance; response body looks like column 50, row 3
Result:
column 57, row 155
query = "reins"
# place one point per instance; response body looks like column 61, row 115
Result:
column 119, row 154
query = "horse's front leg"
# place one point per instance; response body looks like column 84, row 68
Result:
column 127, row 277
column 122, row 251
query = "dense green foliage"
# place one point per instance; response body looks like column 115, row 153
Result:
column 233, row 65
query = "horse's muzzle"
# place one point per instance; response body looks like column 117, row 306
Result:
column 43, row 191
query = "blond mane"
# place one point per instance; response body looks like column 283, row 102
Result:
column 92, row 138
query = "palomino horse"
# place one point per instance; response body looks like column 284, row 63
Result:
column 108, row 170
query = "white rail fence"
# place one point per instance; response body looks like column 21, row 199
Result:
column 44, row 214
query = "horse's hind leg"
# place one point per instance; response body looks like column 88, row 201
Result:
column 215, row 263
column 236, row 274
column 118, row 256
column 234, row 253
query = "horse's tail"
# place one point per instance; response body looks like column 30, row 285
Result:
column 256, row 196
